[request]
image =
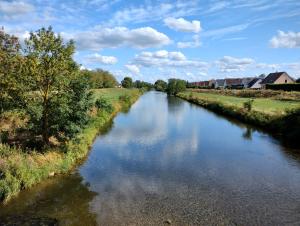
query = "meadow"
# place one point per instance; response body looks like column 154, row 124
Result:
column 280, row 117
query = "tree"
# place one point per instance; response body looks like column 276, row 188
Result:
column 127, row 82
column 12, row 79
column 99, row 78
column 160, row 85
column 175, row 86
column 298, row 80
column 51, row 72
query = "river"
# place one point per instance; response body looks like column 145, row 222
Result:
column 169, row 162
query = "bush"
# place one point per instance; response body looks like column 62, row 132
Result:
column 285, row 87
column 125, row 98
column 103, row 104
column 248, row 104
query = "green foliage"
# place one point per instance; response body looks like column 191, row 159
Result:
column 103, row 104
column 99, row 78
column 175, row 86
column 127, row 82
column 248, row 104
column 125, row 98
column 285, row 86
column 12, row 77
column 142, row 85
column 20, row 169
column 160, row 85
column 298, row 80
column 53, row 75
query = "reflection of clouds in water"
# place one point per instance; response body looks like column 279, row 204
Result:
column 122, row 195
column 146, row 128
column 181, row 146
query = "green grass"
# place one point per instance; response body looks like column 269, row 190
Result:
column 265, row 105
column 112, row 94
column 281, row 118
column 21, row 169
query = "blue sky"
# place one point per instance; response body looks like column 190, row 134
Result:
column 147, row 40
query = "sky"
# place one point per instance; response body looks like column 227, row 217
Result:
column 193, row 40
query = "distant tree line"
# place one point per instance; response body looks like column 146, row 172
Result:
column 127, row 82
column 173, row 87
column 99, row 78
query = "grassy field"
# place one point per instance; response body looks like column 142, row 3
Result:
column 281, row 118
column 112, row 94
column 265, row 105
column 21, row 169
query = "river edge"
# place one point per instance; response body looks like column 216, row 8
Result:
column 24, row 169
column 285, row 128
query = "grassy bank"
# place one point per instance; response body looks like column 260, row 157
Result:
column 21, row 169
column 282, row 118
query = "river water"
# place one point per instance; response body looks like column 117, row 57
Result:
column 168, row 162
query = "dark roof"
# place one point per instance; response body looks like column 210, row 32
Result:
column 233, row 81
column 250, row 84
column 272, row 77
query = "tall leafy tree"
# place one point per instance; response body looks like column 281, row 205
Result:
column 51, row 71
column 12, row 80
column 99, row 78
column 127, row 82
column 160, row 85
column 175, row 86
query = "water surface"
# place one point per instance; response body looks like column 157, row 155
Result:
column 168, row 161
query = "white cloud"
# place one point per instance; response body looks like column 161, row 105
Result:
column 220, row 32
column 195, row 43
column 100, row 38
column 183, row 25
column 169, row 59
column 231, row 64
column 268, row 66
column 151, row 11
column 15, row 8
column 133, row 68
column 286, row 40
column 97, row 58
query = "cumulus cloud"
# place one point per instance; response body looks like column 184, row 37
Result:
column 286, row 40
column 133, row 68
column 15, row 8
column 183, row 25
column 231, row 64
column 100, row 38
column 164, row 58
column 195, row 43
column 97, row 58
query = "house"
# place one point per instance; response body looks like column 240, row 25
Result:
column 246, row 81
column 277, row 78
column 233, row 83
column 255, row 83
column 219, row 83
column 202, row 84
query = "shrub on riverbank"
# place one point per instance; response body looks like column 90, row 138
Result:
column 21, row 169
column 286, row 125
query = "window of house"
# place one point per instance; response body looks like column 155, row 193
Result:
column 285, row 81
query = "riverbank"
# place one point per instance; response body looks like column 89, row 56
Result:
column 281, row 118
column 21, row 169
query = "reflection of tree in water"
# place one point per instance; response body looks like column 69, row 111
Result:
column 174, row 104
column 64, row 198
column 248, row 133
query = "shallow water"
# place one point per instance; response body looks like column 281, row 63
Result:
column 168, row 161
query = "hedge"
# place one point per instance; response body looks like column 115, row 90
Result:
column 285, row 87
